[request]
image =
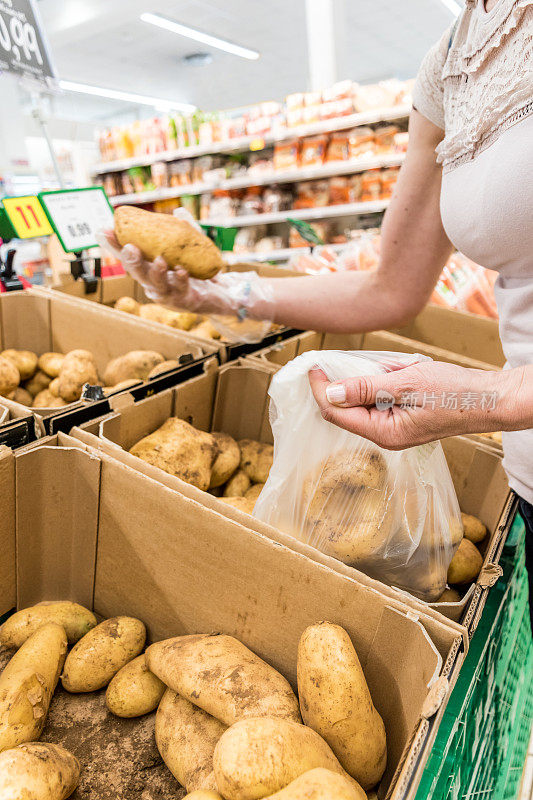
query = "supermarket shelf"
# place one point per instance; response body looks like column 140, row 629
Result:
column 248, row 142
column 275, row 255
column 265, row 178
column 324, row 212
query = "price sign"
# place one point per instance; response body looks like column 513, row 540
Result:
column 77, row 215
column 27, row 217
column 23, row 47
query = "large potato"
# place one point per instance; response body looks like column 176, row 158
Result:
column 238, row 485
column 182, row 320
column 179, row 449
column 320, row 784
column 28, row 683
column 128, row 304
column 335, row 701
column 134, row 690
column 449, row 596
column 474, row 530
column 186, row 737
column 206, row 330
column 135, row 364
column 75, row 619
column 94, row 660
column 221, row 675
column 38, row 771
column 20, row 395
column 466, row 564
column 77, row 369
column 254, row 491
column 261, row 755
column 46, row 399
column 24, row 360
column 227, row 460
column 179, row 243
column 53, row 387
column 9, row 376
column 256, row 459
column 38, row 383
column 203, row 794
column 50, row 363
column 164, row 366
column 241, row 503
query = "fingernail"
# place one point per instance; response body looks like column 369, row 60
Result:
column 336, row 393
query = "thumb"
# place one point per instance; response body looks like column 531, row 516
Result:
column 382, row 391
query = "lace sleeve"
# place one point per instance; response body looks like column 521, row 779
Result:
column 428, row 92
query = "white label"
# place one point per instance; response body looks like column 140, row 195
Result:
column 78, row 216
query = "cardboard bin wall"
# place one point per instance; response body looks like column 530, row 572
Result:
column 83, row 526
column 234, row 399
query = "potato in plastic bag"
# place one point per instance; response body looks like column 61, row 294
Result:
column 391, row 514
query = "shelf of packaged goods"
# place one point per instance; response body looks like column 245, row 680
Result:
column 283, row 255
column 257, row 142
column 329, row 170
column 323, row 212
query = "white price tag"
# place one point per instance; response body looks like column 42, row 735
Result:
column 77, row 215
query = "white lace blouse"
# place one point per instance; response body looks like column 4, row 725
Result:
column 479, row 90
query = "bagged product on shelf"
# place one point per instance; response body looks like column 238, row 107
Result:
column 313, row 151
column 370, row 185
column 180, row 173
column 384, row 137
column 312, row 194
column 276, row 199
column 269, row 243
column 339, row 190
column 247, row 238
column 401, row 140
column 355, row 182
column 252, row 202
column 391, row 514
column 159, row 174
column 340, row 90
column 337, row 108
column 388, row 179
column 287, row 155
column 260, row 162
column 361, row 142
column 322, row 230
column 339, row 147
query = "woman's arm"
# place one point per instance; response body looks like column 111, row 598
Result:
column 414, row 249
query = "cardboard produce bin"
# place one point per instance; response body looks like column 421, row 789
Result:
column 234, row 399
column 140, row 549
column 42, row 320
column 16, row 427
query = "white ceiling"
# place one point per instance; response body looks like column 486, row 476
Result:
column 103, row 42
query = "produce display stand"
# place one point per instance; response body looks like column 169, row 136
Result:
column 483, row 737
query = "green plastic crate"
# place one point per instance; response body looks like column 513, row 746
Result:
column 477, row 749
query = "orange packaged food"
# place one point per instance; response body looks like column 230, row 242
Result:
column 361, row 142
column 287, row 155
column 313, row 151
column 384, row 138
column 370, row 185
column 339, row 147
column 339, row 190
column 388, row 180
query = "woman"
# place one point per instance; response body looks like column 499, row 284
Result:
column 467, row 182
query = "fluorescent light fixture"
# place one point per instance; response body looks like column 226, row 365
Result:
column 452, row 6
column 129, row 97
column 199, row 36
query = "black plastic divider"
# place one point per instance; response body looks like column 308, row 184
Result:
column 65, row 422
column 18, row 432
column 234, row 351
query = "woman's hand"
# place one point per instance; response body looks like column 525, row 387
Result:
column 421, row 403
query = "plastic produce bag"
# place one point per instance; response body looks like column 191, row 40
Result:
column 393, row 515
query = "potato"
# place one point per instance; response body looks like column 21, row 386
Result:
column 9, row 376
column 24, row 360
column 163, row 367
column 39, row 382
column 256, row 459
column 46, row 399
column 38, row 771
column 77, row 369
column 28, row 683
column 221, row 675
column 335, row 701
column 135, row 364
column 75, row 619
column 53, row 387
column 121, row 386
column 50, row 363
column 206, row 330
column 254, row 492
column 96, row 658
column 238, row 485
column 474, row 530
column 186, row 738
column 179, row 449
column 202, row 794
column 134, row 690
column 466, row 564
column 128, row 304
column 20, row 395
column 179, row 243
column 227, row 460
column 449, row 596
column 241, row 503
column 261, row 755
column 320, row 784
column 182, row 320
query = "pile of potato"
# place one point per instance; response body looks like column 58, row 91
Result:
column 228, row 725
column 183, row 320
column 233, row 471
column 53, row 380
column 467, row 561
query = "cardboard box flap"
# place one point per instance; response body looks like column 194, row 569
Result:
column 8, row 595
column 383, row 340
column 57, row 503
column 25, row 320
column 246, row 417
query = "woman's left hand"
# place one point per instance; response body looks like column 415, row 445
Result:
column 419, row 403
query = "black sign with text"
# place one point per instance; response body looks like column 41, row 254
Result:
column 23, row 47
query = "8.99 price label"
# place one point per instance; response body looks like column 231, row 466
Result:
column 23, row 49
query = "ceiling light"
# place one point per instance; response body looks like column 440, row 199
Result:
column 198, row 36
column 129, row 97
column 452, row 6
